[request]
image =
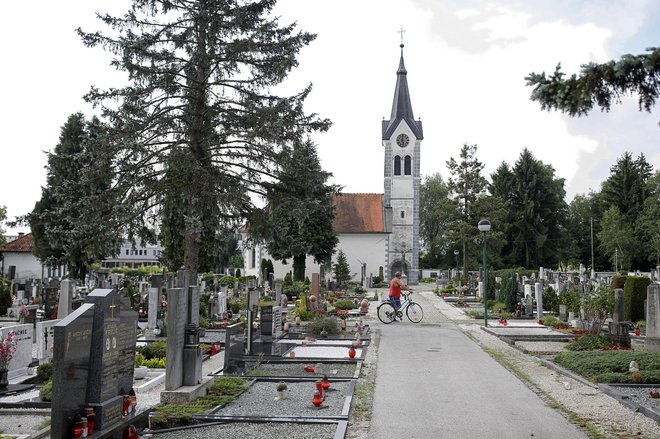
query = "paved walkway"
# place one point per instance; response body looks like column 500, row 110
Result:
column 435, row 382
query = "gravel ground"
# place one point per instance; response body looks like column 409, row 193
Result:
column 261, row 400
column 253, row 430
column 22, row 421
column 344, row 370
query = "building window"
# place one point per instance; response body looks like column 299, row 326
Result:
column 253, row 258
column 127, row 252
column 397, row 165
column 403, row 214
column 407, row 166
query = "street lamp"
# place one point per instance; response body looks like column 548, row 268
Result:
column 456, row 254
column 484, row 227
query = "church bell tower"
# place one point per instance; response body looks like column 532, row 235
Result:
column 401, row 137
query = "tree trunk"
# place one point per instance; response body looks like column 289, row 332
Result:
column 465, row 259
column 299, row 267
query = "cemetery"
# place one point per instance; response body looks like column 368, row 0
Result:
column 93, row 363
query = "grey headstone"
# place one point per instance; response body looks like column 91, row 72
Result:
column 653, row 318
column 23, row 339
column 538, row 289
column 278, row 291
column 617, row 315
column 66, row 297
column 563, row 312
column 222, row 302
column 176, row 322
column 153, row 299
column 71, row 363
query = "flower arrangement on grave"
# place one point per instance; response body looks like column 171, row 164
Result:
column 281, row 389
column 23, row 312
column 7, row 350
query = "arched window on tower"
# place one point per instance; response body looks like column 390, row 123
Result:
column 407, row 165
column 397, row 165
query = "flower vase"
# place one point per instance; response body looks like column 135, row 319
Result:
column 4, row 380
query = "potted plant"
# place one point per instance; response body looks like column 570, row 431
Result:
column 7, row 350
column 281, row 390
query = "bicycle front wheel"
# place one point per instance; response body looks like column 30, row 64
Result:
column 415, row 312
column 386, row 312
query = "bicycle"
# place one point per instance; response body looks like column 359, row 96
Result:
column 387, row 313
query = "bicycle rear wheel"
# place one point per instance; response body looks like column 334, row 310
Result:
column 414, row 312
column 386, row 312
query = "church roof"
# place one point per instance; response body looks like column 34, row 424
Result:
column 401, row 106
column 358, row 213
column 23, row 243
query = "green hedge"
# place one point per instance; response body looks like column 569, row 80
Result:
column 634, row 294
column 618, row 281
column 612, row 366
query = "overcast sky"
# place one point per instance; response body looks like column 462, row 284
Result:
column 466, row 62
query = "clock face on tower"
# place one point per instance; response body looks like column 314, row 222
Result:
column 402, row 140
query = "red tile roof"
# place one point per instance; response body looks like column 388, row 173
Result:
column 21, row 244
column 358, row 213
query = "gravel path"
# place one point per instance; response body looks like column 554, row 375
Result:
column 253, row 430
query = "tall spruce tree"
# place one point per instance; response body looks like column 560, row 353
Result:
column 200, row 75
column 436, row 214
column 299, row 214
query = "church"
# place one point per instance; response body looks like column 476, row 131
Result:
column 378, row 233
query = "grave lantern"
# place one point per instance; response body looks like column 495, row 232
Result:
column 191, row 336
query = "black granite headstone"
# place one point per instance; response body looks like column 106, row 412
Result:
column 112, row 356
column 72, row 344
column 50, row 300
column 266, row 320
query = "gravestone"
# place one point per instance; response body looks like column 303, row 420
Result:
column 213, row 310
column 316, row 285
column 23, row 354
column 66, row 297
column 266, row 321
column 528, row 290
column 653, row 318
column 45, row 338
column 222, row 302
column 617, row 315
column 71, row 367
column 50, row 300
column 529, row 305
column 153, row 307
column 277, row 322
column 278, row 292
column 184, row 358
column 112, row 355
column 563, row 312
column 538, row 289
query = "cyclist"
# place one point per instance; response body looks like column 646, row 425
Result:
column 396, row 285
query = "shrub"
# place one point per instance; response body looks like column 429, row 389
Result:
column 634, row 294
column 228, row 280
column 344, row 304
column 157, row 349
column 236, row 304
column 203, row 322
column 46, row 391
column 509, row 292
column 324, row 323
column 304, row 314
column 570, row 298
column 612, row 366
column 45, row 372
column 427, row 280
column 589, row 342
column 295, row 289
column 376, row 280
column 550, row 300
column 618, row 282
column 551, row 320
column 498, row 307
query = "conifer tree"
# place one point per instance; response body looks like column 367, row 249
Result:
column 341, row 269
column 201, row 75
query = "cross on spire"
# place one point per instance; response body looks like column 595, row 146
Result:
column 401, row 31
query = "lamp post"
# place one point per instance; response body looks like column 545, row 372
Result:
column 456, row 255
column 484, row 227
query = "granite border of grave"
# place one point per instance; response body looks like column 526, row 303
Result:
column 511, row 339
column 345, row 412
column 185, row 394
column 611, row 390
column 356, row 374
column 340, row 432
column 298, row 359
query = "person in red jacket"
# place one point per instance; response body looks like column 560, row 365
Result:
column 396, row 285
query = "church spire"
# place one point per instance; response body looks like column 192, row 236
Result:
column 401, row 105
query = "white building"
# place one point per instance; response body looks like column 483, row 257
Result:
column 134, row 255
column 379, row 233
column 19, row 263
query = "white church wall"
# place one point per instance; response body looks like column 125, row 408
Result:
column 363, row 248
